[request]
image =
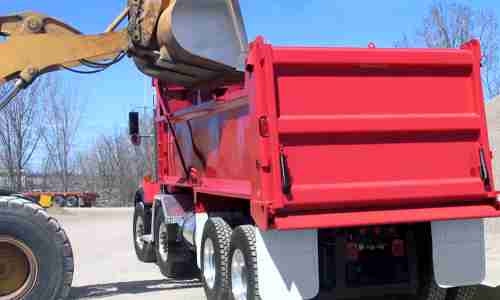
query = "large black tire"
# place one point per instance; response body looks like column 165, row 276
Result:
column 29, row 227
column 173, row 258
column 461, row 293
column 142, row 225
column 216, row 284
column 243, row 244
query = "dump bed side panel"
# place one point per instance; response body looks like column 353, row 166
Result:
column 368, row 129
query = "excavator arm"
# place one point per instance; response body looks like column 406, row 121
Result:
column 37, row 44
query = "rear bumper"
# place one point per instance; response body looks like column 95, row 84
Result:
column 388, row 216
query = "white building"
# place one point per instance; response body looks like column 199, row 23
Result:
column 493, row 116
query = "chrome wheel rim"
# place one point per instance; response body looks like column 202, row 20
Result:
column 209, row 270
column 18, row 269
column 163, row 242
column 139, row 232
column 239, row 283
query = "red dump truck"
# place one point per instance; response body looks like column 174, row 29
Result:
column 324, row 173
column 281, row 172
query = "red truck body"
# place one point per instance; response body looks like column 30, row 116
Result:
column 334, row 137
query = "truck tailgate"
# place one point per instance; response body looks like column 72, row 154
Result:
column 378, row 129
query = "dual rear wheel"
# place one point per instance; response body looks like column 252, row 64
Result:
column 229, row 266
column 229, row 261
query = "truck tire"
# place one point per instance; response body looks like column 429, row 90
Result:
column 142, row 226
column 72, row 201
column 215, row 246
column 37, row 256
column 429, row 289
column 86, row 203
column 461, row 293
column 174, row 259
column 244, row 280
column 60, row 201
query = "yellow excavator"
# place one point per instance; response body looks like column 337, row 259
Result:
column 189, row 43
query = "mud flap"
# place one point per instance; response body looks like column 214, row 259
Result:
column 465, row 252
column 288, row 266
column 492, row 278
column 201, row 220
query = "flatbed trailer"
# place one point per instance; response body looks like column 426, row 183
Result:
column 63, row 199
column 325, row 172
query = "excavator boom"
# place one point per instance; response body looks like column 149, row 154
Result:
column 37, row 44
column 166, row 38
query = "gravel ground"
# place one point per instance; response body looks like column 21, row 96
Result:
column 105, row 262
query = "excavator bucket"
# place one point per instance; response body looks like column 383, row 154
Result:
column 194, row 41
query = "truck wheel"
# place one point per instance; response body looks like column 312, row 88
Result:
column 215, row 245
column 36, row 259
column 142, row 226
column 60, row 201
column 243, row 264
column 461, row 293
column 174, row 259
column 429, row 289
column 72, row 201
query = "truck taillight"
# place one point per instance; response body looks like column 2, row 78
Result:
column 398, row 248
column 352, row 251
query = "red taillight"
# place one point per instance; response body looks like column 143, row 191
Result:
column 398, row 248
column 352, row 251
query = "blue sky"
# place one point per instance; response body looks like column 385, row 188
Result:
column 110, row 95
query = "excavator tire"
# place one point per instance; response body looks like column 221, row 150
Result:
column 36, row 258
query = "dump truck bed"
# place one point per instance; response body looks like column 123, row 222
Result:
column 334, row 137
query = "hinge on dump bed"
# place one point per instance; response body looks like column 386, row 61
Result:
column 485, row 176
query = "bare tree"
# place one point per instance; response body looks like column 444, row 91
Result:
column 63, row 111
column 114, row 168
column 449, row 25
column 20, row 132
